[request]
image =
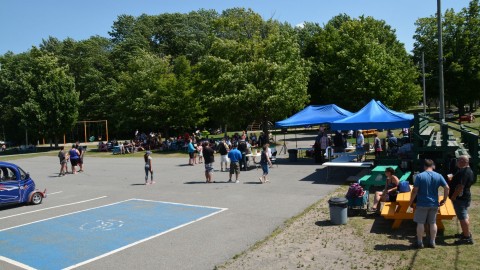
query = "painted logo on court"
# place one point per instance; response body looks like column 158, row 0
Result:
column 102, row 225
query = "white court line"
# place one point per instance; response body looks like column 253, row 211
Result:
column 116, row 250
column 151, row 237
column 194, row 205
column 53, row 193
column 63, row 214
column 53, row 207
column 19, row 264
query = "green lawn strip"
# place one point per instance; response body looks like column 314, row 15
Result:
column 391, row 248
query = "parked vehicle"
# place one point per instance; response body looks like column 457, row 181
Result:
column 17, row 187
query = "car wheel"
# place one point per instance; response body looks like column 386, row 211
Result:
column 37, row 198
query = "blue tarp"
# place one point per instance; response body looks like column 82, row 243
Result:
column 314, row 115
column 374, row 115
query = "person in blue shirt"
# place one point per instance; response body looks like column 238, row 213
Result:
column 425, row 189
column 235, row 156
column 191, row 151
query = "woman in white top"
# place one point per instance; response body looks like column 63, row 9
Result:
column 148, row 167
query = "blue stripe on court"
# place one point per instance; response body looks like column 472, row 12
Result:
column 71, row 239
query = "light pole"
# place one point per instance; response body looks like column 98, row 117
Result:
column 440, row 62
column 424, row 88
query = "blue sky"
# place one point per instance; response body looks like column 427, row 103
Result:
column 24, row 23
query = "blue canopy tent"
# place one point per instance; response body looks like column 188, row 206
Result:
column 314, row 115
column 374, row 115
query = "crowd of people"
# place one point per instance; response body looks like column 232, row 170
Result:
column 233, row 153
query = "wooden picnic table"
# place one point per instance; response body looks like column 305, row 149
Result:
column 398, row 210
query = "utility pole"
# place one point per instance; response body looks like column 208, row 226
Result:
column 440, row 62
column 424, row 88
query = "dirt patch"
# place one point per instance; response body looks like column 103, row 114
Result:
column 310, row 241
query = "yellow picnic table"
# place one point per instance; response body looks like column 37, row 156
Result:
column 398, row 210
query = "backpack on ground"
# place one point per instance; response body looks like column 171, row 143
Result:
column 355, row 191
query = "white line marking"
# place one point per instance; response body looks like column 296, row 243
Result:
column 53, row 207
column 148, row 238
column 53, row 193
column 119, row 249
column 18, row 264
column 194, row 205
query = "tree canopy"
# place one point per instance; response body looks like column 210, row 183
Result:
column 175, row 72
column 461, row 50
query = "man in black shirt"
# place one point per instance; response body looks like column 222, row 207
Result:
column 460, row 195
column 242, row 147
column 208, row 157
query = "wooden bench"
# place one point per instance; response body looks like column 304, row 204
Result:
column 466, row 118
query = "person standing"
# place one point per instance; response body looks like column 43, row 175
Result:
column 425, row 189
column 74, row 156
column 223, row 150
column 63, row 161
column 235, row 156
column 80, row 156
column 377, row 145
column 191, row 151
column 242, row 147
column 339, row 142
column 265, row 162
column 461, row 197
column 208, row 155
column 360, row 142
column 200, row 153
column 316, row 146
column 148, row 167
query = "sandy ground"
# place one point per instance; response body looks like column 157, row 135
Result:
column 310, row 241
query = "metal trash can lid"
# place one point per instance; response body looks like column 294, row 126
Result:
column 338, row 202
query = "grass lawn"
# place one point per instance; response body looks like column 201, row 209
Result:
column 309, row 241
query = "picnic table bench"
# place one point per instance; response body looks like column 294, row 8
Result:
column 466, row 118
column 398, row 210
column 377, row 176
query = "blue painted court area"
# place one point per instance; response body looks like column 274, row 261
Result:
column 80, row 237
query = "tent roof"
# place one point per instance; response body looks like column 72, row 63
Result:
column 375, row 115
column 314, row 115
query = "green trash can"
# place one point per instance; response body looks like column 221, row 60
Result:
column 338, row 210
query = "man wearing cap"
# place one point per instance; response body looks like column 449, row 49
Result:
column 235, row 156
column 425, row 189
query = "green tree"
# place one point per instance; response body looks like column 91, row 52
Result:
column 360, row 59
column 461, row 54
column 154, row 94
column 254, row 71
column 40, row 94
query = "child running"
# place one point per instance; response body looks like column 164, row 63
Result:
column 265, row 162
column 148, row 167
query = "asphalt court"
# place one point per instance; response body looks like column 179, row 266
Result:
column 75, row 239
column 254, row 210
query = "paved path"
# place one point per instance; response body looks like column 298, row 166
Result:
column 254, row 210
